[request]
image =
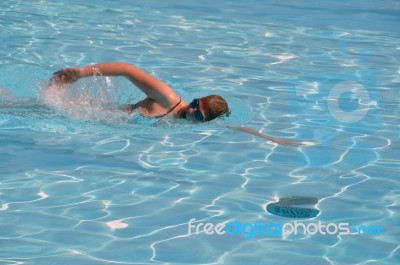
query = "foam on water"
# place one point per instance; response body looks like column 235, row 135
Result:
column 94, row 100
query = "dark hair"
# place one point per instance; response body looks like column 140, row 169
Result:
column 214, row 106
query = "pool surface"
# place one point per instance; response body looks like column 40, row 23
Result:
column 81, row 183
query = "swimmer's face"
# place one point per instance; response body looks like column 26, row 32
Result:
column 195, row 111
column 206, row 109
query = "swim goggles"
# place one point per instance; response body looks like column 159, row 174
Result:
column 197, row 114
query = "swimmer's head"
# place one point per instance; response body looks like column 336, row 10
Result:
column 206, row 108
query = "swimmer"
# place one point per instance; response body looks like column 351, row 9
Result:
column 161, row 100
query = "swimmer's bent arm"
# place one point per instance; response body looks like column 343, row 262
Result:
column 151, row 86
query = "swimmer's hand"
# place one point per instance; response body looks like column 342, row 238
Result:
column 65, row 76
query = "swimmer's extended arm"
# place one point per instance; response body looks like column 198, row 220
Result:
column 273, row 139
column 151, row 86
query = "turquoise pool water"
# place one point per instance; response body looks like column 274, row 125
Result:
column 81, row 183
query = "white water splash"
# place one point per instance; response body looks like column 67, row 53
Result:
column 90, row 99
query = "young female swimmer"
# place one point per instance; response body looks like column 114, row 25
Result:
column 160, row 99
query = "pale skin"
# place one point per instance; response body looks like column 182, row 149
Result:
column 160, row 97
